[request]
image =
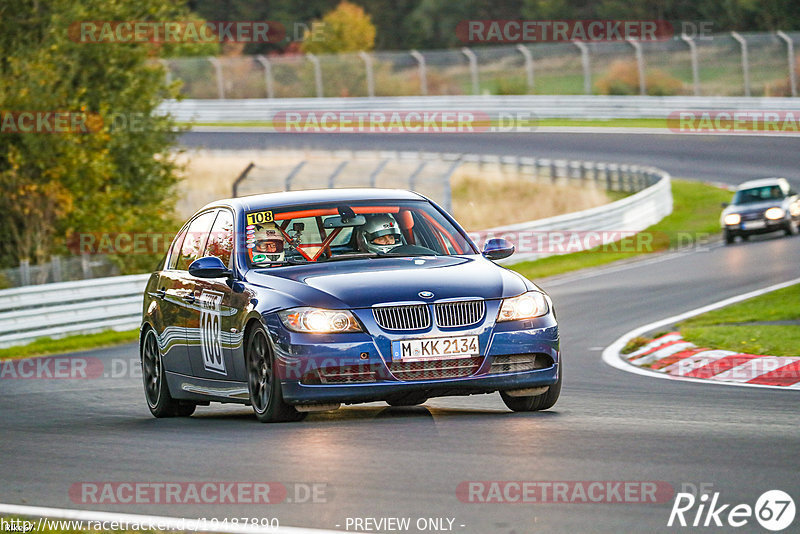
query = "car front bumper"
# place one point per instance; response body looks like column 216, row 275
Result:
column 364, row 371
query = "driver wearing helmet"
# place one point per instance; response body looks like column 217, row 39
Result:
column 268, row 246
column 380, row 234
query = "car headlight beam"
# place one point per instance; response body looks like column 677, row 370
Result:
column 319, row 321
column 774, row 214
column 526, row 306
column 733, row 219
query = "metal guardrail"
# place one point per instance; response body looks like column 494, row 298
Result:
column 83, row 307
column 87, row 306
column 263, row 110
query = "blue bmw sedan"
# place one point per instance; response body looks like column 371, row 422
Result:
column 302, row 301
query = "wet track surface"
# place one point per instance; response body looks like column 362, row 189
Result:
column 377, row 461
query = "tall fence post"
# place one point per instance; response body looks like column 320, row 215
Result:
column 268, row 81
column 412, row 179
column 373, row 178
column 336, row 173
column 167, row 71
column 745, row 62
column 317, row 74
column 473, row 69
column 370, row 74
column 55, row 264
column 695, row 67
column 220, row 80
column 637, row 47
column 528, row 65
column 289, row 177
column 587, row 66
column 423, row 75
column 241, row 178
column 448, row 191
column 790, row 53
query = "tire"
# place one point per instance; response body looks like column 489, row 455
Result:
column 156, row 389
column 729, row 237
column 266, row 397
column 791, row 228
column 535, row 403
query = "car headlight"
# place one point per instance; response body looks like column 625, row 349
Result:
column 526, row 306
column 319, row 321
column 733, row 218
column 774, row 213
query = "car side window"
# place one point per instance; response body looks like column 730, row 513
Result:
column 175, row 249
column 195, row 241
column 220, row 240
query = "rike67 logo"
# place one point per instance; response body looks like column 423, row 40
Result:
column 774, row 510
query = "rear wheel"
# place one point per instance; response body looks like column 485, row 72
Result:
column 156, row 390
column 535, row 403
column 264, row 387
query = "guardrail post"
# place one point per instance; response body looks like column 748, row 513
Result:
column 637, row 47
column 317, row 74
column 528, row 65
column 695, row 68
column 292, row 174
column 24, row 272
column 423, row 76
column 86, row 268
column 745, row 62
column 473, row 69
column 218, row 72
column 790, row 52
column 553, row 171
column 587, row 66
column 336, row 173
column 268, row 81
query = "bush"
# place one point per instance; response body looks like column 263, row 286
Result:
column 623, row 79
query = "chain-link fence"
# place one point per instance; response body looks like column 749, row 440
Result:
column 58, row 269
column 754, row 64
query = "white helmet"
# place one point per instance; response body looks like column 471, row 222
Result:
column 379, row 226
column 271, row 240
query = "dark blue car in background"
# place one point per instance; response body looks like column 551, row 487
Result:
column 301, row 301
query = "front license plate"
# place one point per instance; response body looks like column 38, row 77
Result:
column 437, row 348
column 754, row 225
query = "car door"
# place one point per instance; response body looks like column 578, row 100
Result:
column 184, row 294
column 216, row 311
column 170, row 315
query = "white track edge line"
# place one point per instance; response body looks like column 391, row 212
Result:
column 171, row 523
column 611, row 354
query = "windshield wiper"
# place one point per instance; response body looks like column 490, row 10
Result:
column 287, row 261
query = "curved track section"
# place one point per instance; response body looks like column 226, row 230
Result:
column 376, row 461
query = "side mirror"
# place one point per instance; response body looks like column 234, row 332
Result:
column 208, row 267
column 724, row 204
column 497, row 249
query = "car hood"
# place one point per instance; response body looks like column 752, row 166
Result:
column 755, row 206
column 363, row 283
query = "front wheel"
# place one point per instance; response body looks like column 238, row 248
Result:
column 156, row 390
column 535, row 403
column 729, row 237
column 264, row 387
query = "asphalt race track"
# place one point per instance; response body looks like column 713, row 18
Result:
column 377, row 461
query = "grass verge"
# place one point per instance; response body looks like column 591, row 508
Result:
column 47, row 345
column 695, row 217
column 739, row 327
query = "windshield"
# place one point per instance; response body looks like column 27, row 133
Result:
column 348, row 231
column 758, row 194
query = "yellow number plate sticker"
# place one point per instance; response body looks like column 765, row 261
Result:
column 259, row 217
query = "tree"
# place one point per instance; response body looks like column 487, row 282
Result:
column 115, row 174
column 345, row 29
